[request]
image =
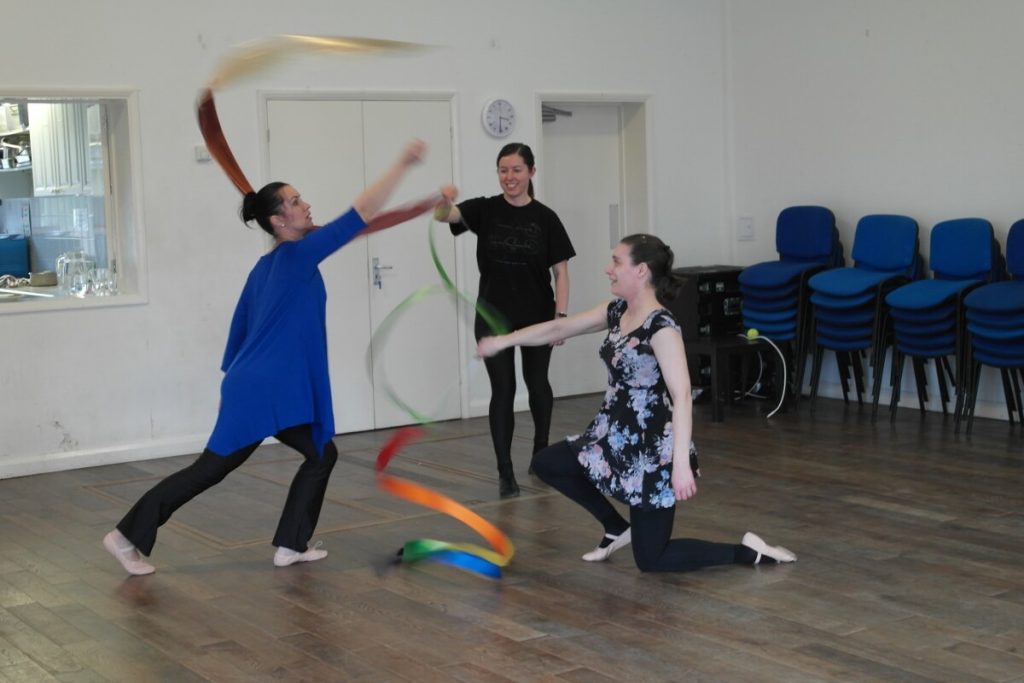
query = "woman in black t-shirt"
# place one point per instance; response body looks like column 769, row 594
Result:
column 520, row 244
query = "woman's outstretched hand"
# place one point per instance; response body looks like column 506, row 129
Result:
column 487, row 347
column 414, row 152
column 444, row 208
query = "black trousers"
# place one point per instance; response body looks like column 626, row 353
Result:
column 654, row 550
column 301, row 508
column 501, row 370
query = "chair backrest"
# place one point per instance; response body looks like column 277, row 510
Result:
column 1015, row 250
column 887, row 243
column 965, row 249
column 807, row 233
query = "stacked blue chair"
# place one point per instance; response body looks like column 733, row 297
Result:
column 928, row 315
column 775, row 300
column 995, row 326
column 848, row 303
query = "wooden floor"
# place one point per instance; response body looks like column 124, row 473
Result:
column 911, row 545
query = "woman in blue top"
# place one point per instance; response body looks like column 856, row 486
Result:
column 644, row 427
column 275, row 372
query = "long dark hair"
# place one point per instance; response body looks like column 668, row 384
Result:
column 523, row 150
column 658, row 256
column 260, row 206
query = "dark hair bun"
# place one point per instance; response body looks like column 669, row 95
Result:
column 249, row 202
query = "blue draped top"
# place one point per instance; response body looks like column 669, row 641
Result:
column 275, row 363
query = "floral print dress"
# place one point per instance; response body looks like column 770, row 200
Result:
column 627, row 449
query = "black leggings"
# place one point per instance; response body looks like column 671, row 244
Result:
column 653, row 548
column 501, row 369
column 301, row 508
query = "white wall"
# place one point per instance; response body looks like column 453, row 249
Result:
column 104, row 385
column 874, row 106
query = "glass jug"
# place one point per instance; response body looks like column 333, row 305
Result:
column 75, row 273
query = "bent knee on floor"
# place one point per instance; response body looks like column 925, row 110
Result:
column 646, row 560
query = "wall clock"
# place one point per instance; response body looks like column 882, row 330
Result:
column 499, row 117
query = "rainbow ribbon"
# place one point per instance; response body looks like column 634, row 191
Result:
column 465, row 556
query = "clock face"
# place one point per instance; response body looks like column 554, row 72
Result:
column 499, row 118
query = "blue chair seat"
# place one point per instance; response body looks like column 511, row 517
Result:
column 996, row 320
column 769, row 316
column 986, row 332
column 942, row 312
column 863, row 316
column 755, row 303
column 789, row 291
column 930, row 341
column 837, row 344
column 839, row 332
column 848, row 282
column 925, row 294
column 773, row 274
column 776, row 331
column 998, row 297
column 926, row 351
column 841, row 302
column 904, row 329
column 998, row 361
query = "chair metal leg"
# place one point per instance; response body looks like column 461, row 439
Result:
column 962, row 387
column 972, row 399
column 919, row 379
column 819, row 351
column 876, row 384
column 804, row 337
column 1004, row 375
column 858, row 375
column 793, row 375
column 941, row 365
column 843, row 365
column 1016, row 393
column 897, row 383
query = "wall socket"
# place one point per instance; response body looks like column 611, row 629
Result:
column 745, row 229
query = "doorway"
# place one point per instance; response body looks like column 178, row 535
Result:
column 594, row 176
column 329, row 149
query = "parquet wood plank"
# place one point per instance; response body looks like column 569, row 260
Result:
column 911, row 545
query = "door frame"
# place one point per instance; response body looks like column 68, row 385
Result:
column 634, row 142
column 449, row 96
column 642, row 100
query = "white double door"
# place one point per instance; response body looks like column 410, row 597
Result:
column 329, row 149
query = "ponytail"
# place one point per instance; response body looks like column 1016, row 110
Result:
column 658, row 256
column 260, row 206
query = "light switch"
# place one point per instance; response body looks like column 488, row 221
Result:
column 745, row 229
column 202, row 154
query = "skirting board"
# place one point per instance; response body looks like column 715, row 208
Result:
column 23, row 466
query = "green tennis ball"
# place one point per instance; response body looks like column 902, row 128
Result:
column 752, row 333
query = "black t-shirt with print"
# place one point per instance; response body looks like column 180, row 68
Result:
column 515, row 249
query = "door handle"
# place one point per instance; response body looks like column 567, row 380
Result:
column 377, row 268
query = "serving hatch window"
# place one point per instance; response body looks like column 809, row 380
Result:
column 67, row 195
